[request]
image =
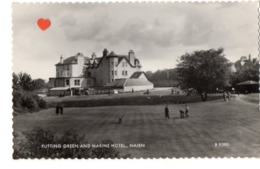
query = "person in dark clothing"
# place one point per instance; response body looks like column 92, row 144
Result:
column 120, row 120
column 182, row 114
column 167, row 116
column 57, row 109
column 61, row 110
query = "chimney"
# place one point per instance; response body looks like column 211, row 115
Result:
column 249, row 57
column 105, row 52
column 131, row 57
column 93, row 56
column 79, row 54
column 61, row 59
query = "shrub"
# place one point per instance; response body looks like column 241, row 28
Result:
column 30, row 103
column 27, row 101
column 42, row 104
column 28, row 145
column 17, row 98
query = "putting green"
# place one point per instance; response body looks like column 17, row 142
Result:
column 214, row 129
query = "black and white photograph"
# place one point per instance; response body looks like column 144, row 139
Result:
column 135, row 80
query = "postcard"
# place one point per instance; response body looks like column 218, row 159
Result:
column 135, row 80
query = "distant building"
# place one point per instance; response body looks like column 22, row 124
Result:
column 245, row 62
column 80, row 72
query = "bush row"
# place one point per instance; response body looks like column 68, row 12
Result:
column 138, row 100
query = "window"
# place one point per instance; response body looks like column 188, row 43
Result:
column 67, row 82
column 89, row 74
column 112, row 63
column 76, row 82
column 89, row 82
column 68, row 67
column 116, row 72
column 123, row 64
column 126, row 73
column 123, row 73
column 112, row 72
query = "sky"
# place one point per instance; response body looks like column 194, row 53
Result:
column 159, row 33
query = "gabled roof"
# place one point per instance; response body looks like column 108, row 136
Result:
column 118, row 83
column 130, row 82
column 136, row 75
column 122, row 57
column 112, row 54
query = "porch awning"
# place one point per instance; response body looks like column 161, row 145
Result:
column 59, row 88
column 249, row 82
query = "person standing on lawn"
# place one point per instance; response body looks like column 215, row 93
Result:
column 57, row 109
column 186, row 111
column 167, row 116
column 61, row 110
column 224, row 95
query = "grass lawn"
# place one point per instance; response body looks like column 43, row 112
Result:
column 236, row 123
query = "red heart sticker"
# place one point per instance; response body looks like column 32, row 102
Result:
column 43, row 23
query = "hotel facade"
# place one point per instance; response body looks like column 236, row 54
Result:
column 109, row 70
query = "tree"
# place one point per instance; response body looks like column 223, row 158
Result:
column 149, row 75
column 25, row 81
column 39, row 84
column 203, row 70
column 16, row 85
column 162, row 78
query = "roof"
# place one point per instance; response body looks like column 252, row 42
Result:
column 112, row 54
column 121, row 57
column 136, row 75
column 73, row 60
column 137, row 82
column 249, row 82
column 118, row 83
column 59, row 88
column 130, row 82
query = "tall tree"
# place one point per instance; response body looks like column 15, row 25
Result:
column 203, row 70
column 39, row 84
column 25, row 81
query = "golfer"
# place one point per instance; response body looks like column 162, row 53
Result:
column 167, row 116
